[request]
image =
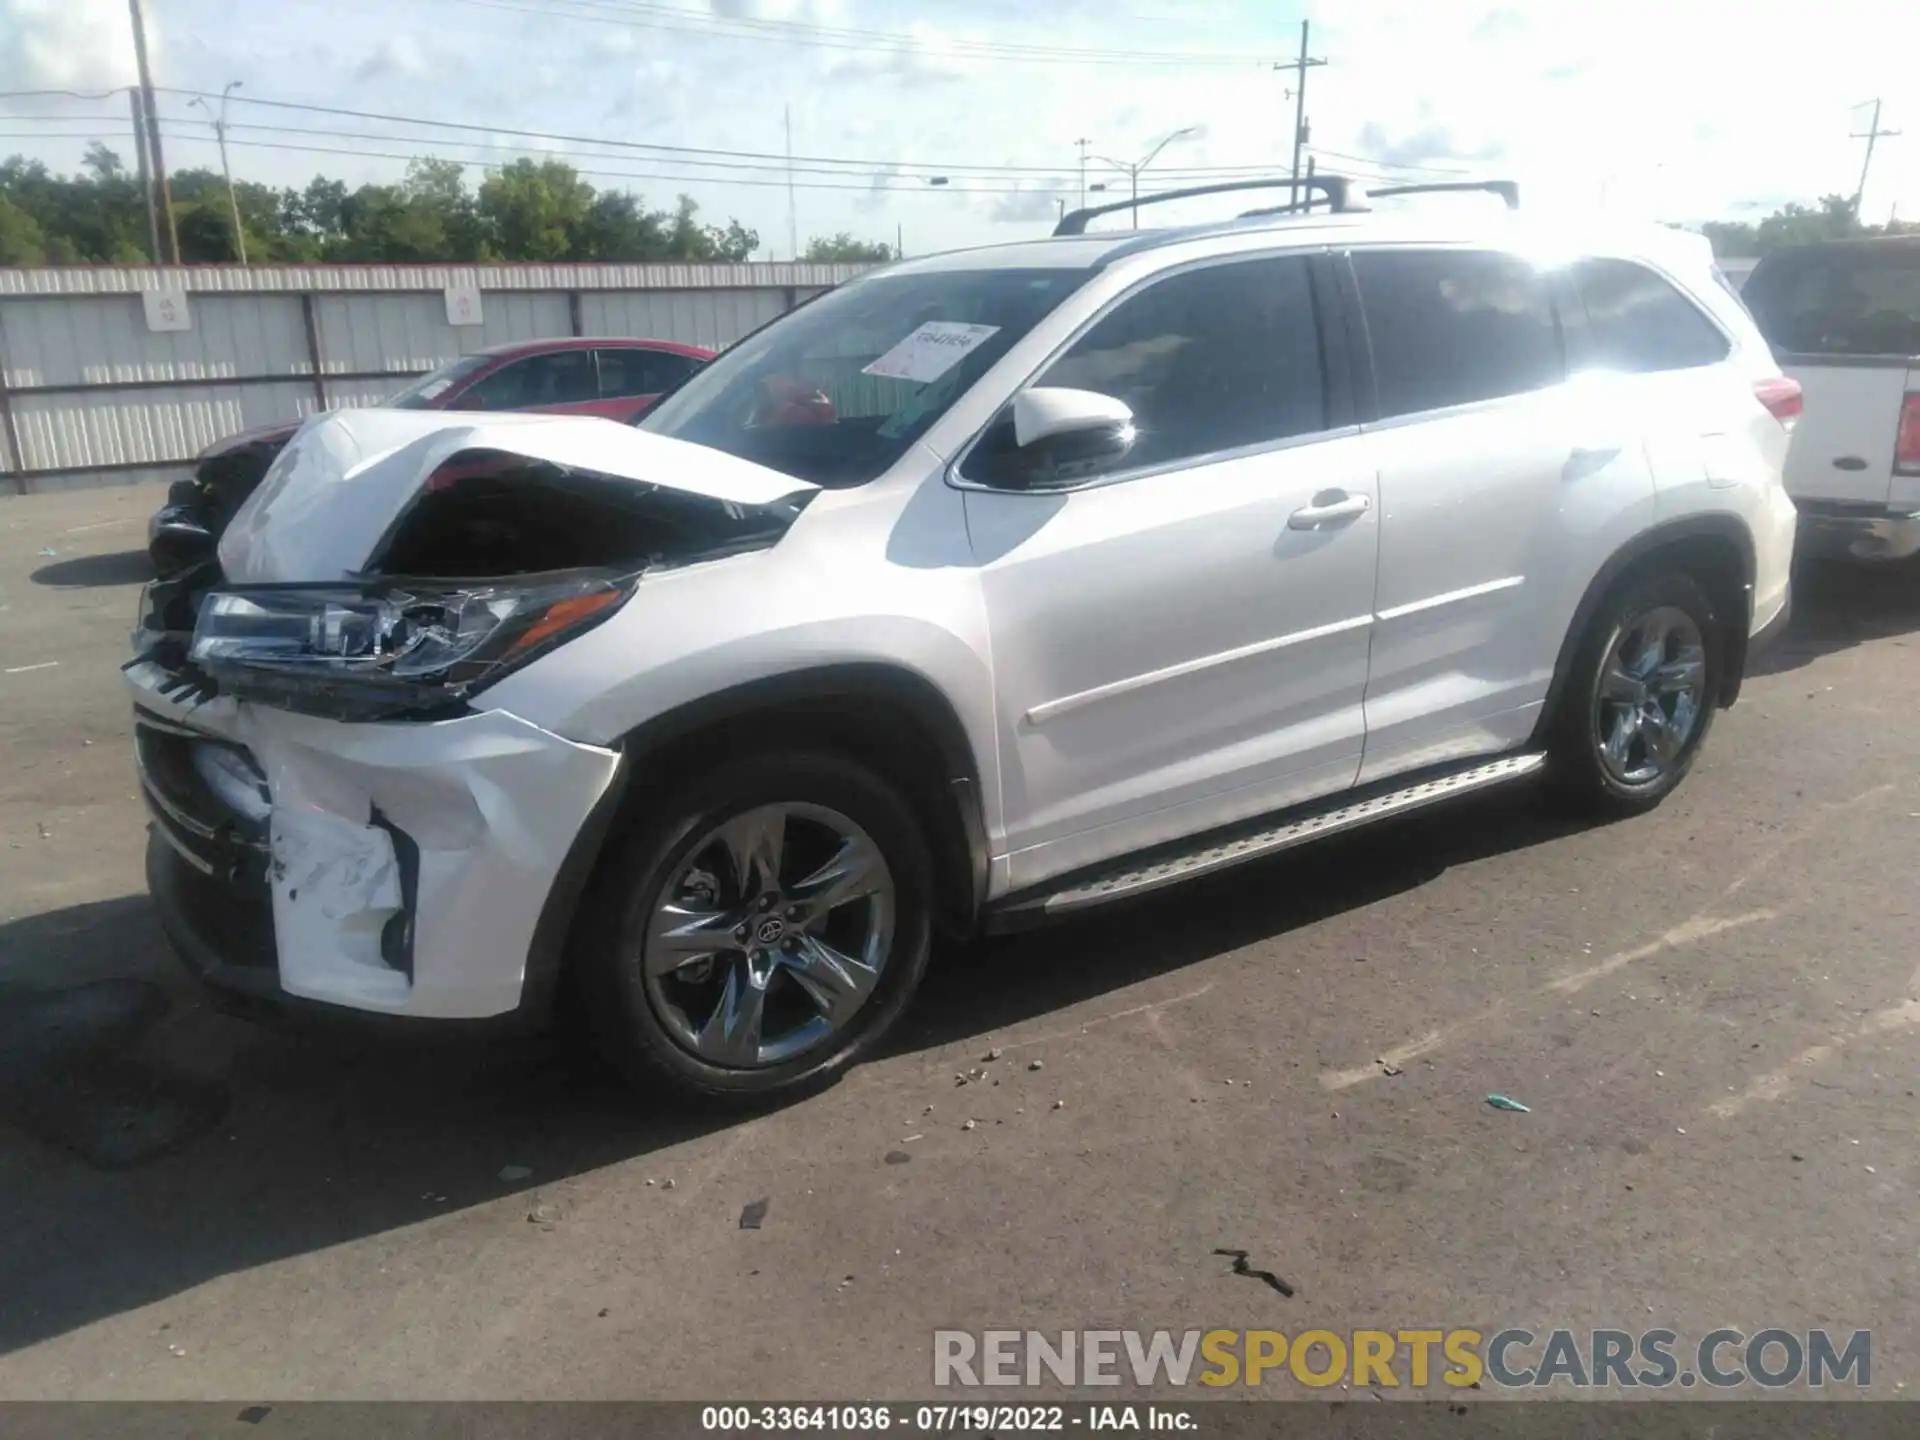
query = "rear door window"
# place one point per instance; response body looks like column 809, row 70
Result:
column 561, row 377
column 1450, row 327
column 1858, row 299
column 1637, row 322
column 630, row 371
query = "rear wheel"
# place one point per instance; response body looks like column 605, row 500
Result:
column 761, row 931
column 1641, row 697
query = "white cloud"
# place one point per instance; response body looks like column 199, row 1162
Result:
column 68, row 44
column 811, row 12
column 1028, row 206
column 396, row 55
column 1684, row 108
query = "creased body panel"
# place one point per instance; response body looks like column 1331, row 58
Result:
column 344, row 479
column 467, row 821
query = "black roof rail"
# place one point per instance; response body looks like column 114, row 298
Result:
column 1507, row 190
column 1334, row 187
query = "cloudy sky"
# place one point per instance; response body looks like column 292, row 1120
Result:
column 1685, row 109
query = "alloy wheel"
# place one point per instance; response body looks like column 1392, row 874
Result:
column 770, row 936
column 1650, row 695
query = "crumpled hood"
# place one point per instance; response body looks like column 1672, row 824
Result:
column 343, row 480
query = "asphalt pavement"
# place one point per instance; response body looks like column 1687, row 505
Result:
column 1712, row 1014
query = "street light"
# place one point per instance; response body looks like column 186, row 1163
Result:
column 220, row 133
column 1133, row 171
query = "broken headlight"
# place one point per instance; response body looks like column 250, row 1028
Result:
column 389, row 647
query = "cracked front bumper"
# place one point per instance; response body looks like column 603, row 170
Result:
column 402, row 869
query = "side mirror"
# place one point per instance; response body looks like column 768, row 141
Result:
column 1046, row 411
column 1055, row 436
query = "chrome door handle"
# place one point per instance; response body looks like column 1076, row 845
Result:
column 1315, row 517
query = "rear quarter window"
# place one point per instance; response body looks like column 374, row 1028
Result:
column 1859, row 299
column 1637, row 322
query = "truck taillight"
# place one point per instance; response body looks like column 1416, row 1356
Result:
column 1781, row 396
column 1906, row 445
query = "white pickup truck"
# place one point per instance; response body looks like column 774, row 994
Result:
column 1844, row 320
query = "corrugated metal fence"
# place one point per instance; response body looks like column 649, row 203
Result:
column 91, row 392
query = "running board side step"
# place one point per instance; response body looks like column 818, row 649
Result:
column 1137, row 876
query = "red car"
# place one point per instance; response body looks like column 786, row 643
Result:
column 619, row 379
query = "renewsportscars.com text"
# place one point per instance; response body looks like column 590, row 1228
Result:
column 1509, row 1359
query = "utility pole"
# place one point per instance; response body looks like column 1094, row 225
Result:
column 899, row 240
column 220, row 134
column 146, row 173
column 1299, row 95
column 1873, row 133
column 1083, row 144
column 793, row 221
column 153, row 131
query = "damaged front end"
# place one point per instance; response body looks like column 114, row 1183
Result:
column 498, row 557
column 334, row 819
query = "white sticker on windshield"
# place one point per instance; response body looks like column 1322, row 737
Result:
column 929, row 352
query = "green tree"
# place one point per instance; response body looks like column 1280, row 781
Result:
column 735, row 242
column 843, row 247
column 438, row 188
column 532, row 209
column 619, row 227
column 381, row 223
column 1794, row 224
column 524, row 211
column 21, row 242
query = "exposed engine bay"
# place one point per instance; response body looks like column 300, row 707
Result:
column 362, row 586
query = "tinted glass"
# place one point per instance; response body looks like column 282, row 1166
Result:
column 627, row 372
column 564, row 377
column 1209, row 359
column 1637, row 322
column 835, row 391
column 1450, row 327
column 421, row 394
column 1839, row 300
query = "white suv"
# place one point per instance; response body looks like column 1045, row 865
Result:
column 982, row 588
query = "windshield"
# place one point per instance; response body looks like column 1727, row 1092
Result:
column 835, row 392
column 1839, row 300
column 421, row 394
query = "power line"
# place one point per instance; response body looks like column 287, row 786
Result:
column 75, row 94
column 658, row 153
column 1048, row 182
column 867, row 169
column 1044, row 179
column 1062, row 187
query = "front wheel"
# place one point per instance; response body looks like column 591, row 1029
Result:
column 760, row 930
column 1641, row 697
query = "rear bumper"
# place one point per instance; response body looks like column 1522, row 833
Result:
column 404, row 870
column 1838, row 530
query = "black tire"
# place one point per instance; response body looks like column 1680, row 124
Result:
column 604, row 955
column 1578, row 776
